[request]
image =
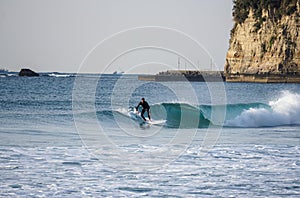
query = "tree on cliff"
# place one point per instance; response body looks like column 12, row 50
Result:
column 276, row 8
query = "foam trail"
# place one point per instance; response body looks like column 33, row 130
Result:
column 283, row 111
column 59, row 75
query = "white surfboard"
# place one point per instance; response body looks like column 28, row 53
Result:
column 137, row 117
column 157, row 122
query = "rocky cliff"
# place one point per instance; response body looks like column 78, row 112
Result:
column 265, row 44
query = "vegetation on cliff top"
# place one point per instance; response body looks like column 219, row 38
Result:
column 275, row 8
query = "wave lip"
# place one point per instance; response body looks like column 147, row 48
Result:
column 281, row 112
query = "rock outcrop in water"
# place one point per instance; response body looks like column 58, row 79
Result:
column 265, row 39
column 27, row 72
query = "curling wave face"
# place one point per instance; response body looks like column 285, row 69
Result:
column 283, row 111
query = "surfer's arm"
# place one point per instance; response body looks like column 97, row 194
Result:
column 137, row 107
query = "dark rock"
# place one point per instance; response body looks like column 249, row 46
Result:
column 27, row 72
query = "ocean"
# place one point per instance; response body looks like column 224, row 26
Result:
column 69, row 135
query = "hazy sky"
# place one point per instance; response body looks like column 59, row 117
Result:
column 57, row 35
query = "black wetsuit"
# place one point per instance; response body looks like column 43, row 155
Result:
column 146, row 107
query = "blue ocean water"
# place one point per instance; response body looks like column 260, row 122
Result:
column 67, row 135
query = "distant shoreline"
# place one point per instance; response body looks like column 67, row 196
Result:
column 182, row 75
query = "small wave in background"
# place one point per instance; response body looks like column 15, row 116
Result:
column 59, row 75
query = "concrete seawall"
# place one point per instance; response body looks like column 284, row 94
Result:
column 263, row 78
column 185, row 75
column 219, row 76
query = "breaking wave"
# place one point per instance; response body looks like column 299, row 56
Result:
column 284, row 111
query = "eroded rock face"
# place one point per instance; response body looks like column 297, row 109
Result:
column 272, row 48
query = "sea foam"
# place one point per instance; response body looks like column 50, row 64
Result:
column 283, row 111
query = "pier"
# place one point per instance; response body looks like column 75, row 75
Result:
column 185, row 75
column 219, row 76
column 264, row 78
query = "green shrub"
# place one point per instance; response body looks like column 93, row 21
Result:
column 276, row 8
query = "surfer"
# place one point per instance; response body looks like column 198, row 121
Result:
column 146, row 107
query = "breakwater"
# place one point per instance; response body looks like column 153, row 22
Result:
column 219, row 76
column 264, row 78
column 185, row 75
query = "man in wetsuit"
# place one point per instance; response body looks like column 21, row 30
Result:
column 146, row 107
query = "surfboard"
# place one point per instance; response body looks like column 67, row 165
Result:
column 157, row 122
column 137, row 117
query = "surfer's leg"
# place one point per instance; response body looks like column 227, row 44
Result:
column 142, row 114
column 148, row 111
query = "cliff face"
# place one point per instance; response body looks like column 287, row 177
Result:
column 272, row 47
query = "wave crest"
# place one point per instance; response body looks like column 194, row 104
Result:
column 283, row 111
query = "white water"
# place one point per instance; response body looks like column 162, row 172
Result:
column 283, row 111
column 59, row 75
